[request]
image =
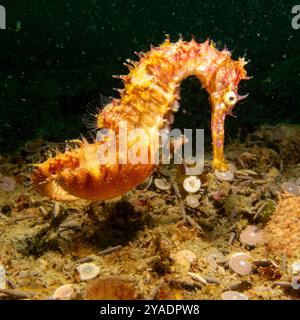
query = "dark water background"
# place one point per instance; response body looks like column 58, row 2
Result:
column 55, row 55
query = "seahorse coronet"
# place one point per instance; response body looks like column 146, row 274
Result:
column 150, row 95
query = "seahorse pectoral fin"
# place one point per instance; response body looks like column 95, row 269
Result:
column 91, row 119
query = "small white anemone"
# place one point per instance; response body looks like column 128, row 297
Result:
column 224, row 175
column 240, row 263
column 64, row 292
column 296, row 283
column 7, row 184
column 2, row 277
column 87, row 271
column 233, row 295
column 192, row 201
column 162, row 184
column 192, row 184
column 290, row 188
column 251, row 236
column 295, row 268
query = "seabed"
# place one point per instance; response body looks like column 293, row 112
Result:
column 154, row 243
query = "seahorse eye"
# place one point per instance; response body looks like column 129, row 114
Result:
column 230, row 98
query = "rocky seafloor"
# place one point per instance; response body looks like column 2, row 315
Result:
column 232, row 237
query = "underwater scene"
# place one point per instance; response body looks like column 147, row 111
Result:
column 150, row 150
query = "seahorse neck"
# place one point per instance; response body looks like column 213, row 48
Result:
column 152, row 87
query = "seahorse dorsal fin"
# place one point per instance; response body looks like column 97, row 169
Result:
column 94, row 107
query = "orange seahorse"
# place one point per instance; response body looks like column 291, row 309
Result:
column 150, row 95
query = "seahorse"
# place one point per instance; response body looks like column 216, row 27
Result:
column 149, row 98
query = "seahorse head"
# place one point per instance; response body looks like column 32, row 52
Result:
column 224, row 84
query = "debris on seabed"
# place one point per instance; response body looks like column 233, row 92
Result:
column 184, row 259
column 182, row 236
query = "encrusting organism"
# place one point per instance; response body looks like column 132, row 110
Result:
column 282, row 231
column 147, row 102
